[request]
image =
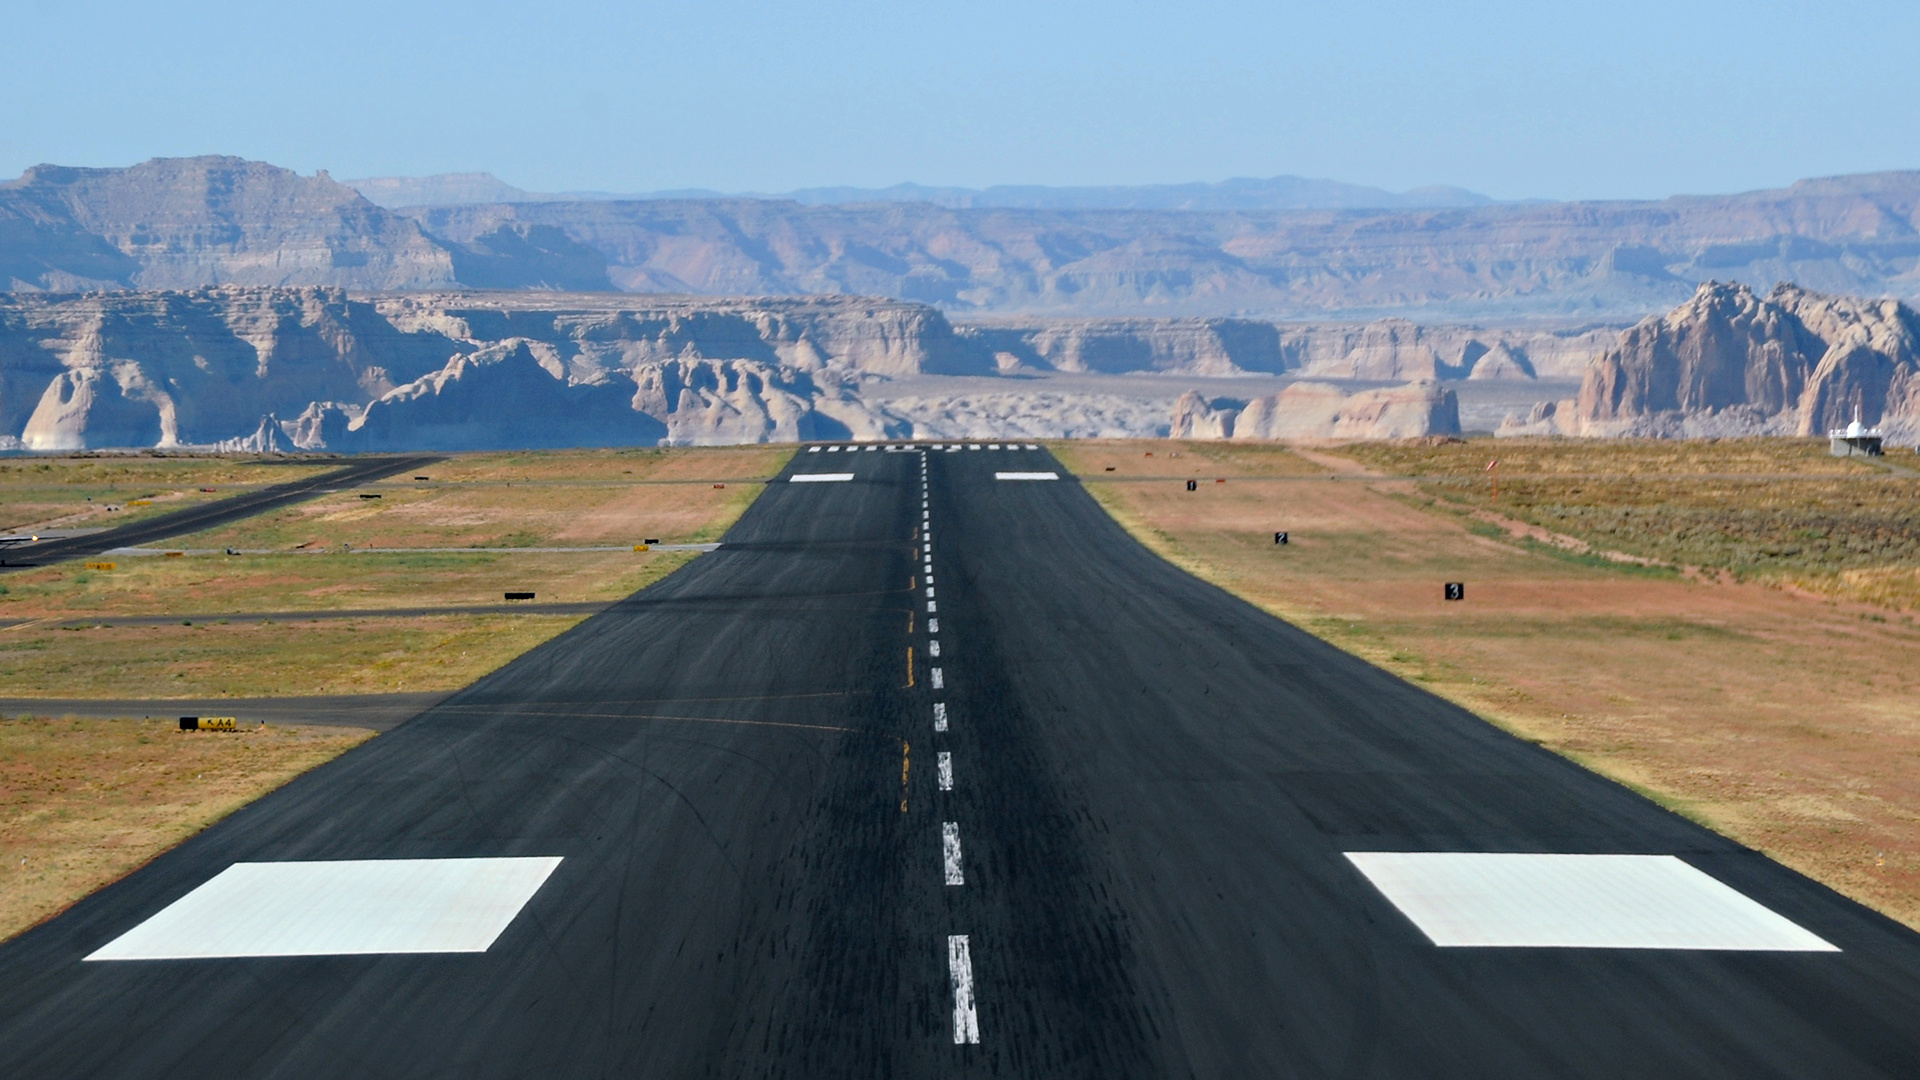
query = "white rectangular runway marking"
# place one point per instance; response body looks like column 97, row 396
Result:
column 945, row 764
column 1575, row 902
column 933, row 626
column 950, row 852
column 966, row 1025
column 939, row 680
column 1026, row 476
column 813, row 449
column 932, row 606
column 820, row 477
column 833, row 449
column 940, row 716
column 929, row 590
column 345, row 908
column 933, row 649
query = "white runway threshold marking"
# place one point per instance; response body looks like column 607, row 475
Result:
column 345, row 908
column 945, row 764
column 820, row 477
column 966, row 1025
column 950, row 852
column 1026, row 476
column 1513, row 900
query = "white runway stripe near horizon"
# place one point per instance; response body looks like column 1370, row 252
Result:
column 820, row 477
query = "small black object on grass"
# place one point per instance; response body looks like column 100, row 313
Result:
column 650, row 541
column 1193, row 485
column 369, row 495
column 423, row 478
column 1456, row 590
column 519, row 596
column 1280, row 538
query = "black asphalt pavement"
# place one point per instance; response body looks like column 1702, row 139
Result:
column 210, row 515
column 1153, row 784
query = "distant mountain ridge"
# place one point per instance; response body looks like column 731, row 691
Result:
column 1241, row 193
column 191, row 222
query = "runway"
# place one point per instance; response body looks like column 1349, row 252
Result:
column 1120, row 824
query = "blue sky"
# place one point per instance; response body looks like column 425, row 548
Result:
column 1569, row 99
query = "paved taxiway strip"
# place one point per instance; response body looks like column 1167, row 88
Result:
column 1187, row 836
column 210, row 515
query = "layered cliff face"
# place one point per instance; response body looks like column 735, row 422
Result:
column 1562, row 260
column 451, row 371
column 189, row 222
column 1729, row 361
column 1322, row 411
column 1383, row 350
column 181, row 223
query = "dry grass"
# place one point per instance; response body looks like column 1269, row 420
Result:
column 1788, row 722
column 84, row 802
column 1778, row 511
column 75, row 492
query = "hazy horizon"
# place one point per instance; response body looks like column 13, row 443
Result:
column 1586, row 100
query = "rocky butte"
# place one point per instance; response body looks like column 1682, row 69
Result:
column 1729, row 361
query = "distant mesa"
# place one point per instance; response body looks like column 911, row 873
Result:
column 1280, row 249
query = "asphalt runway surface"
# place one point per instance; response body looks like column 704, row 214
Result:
column 209, row 515
column 1146, row 806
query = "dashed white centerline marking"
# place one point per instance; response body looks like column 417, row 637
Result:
column 950, row 852
column 933, row 626
column 966, row 1025
column 933, row 649
column 932, row 607
column 945, row 764
column 939, row 716
column 929, row 590
column 939, row 680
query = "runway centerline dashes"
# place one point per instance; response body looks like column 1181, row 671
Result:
column 944, row 763
column 950, row 852
column 966, row 1025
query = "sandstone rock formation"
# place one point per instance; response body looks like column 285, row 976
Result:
column 180, row 223
column 314, row 368
column 1731, row 362
column 1383, row 350
column 1322, row 411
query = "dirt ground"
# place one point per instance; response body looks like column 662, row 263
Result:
column 312, row 557
column 1786, row 720
column 84, row 802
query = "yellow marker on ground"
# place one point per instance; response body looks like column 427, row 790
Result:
column 103, row 566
